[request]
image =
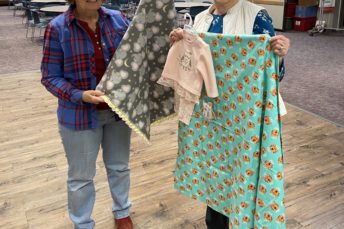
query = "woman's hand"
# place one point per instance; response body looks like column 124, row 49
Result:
column 176, row 35
column 92, row 96
column 280, row 45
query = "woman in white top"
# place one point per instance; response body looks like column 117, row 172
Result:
column 236, row 17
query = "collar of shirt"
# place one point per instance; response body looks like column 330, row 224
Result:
column 70, row 14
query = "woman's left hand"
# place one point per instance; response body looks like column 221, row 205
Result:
column 280, row 45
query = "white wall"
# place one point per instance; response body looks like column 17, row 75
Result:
column 276, row 13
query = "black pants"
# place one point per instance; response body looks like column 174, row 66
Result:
column 216, row 220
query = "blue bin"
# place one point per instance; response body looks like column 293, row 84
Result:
column 306, row 11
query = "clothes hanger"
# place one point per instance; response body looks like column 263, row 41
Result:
column 188, row 27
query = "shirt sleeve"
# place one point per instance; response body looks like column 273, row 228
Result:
column 263, row 25
column 121, row 23
column 205, row 67
column 52, row 69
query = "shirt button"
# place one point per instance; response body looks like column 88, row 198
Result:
column 100, row 49
column 97, row 43
column 95, row 35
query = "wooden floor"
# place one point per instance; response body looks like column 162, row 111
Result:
column 33, row 169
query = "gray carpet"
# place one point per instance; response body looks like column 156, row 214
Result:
column 17, row 53
column 314, row 78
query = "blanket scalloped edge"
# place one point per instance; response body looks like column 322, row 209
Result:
column 160, row 120
column 126, row 119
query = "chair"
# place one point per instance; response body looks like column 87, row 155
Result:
column 37, row 23
column 26, row 6
column 10, row 2
column 18, row 5
column 29, row 20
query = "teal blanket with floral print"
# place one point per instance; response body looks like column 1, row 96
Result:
column 232, row 160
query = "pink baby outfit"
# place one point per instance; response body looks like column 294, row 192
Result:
column 189, row 64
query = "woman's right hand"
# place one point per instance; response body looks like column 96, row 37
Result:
column 92, row 96
column 176, row 35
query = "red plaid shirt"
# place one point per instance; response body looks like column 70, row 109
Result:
column 68, row 63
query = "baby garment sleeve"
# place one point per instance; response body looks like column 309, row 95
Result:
column 205, row 68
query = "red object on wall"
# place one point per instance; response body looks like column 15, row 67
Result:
column 290, row 11
column 304, row 24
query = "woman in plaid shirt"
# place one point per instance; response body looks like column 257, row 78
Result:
column 78, row 46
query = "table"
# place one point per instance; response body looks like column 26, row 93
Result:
column 190, row 4
column 55, row 9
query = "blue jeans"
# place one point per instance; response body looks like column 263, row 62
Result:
column 81, row 149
